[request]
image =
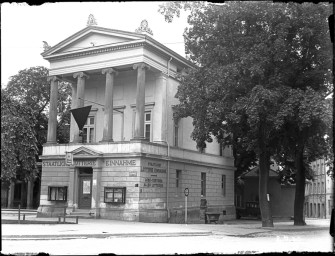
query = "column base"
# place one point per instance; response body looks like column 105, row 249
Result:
column 50, row 143
column 139, row 139
column 102, row 141
column 162, row 142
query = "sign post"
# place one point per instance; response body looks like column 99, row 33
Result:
column 186, row 192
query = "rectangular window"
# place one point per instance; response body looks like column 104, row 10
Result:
column 57, row 193
column 116, row 195
column 221, row 149
column 147, row 125
column 88, row 130
column 223, row 185
column 178, row 178
column 176, row 133
column 203, row 184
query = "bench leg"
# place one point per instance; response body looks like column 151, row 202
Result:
column 77, row 219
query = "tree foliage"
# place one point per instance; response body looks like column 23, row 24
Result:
column 30, row 88
column 263, row 72
column 24, row 121
column 18, row 141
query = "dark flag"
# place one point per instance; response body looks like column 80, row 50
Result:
column 80, row 115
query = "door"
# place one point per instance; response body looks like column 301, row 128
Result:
column 85, row 192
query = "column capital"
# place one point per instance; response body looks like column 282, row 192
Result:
column 141, row 66
column 81, row 75
column 109, row 71
column 53, row 79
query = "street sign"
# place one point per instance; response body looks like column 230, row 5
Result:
column 186, row 191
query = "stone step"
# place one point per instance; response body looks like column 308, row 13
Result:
column 81, row 213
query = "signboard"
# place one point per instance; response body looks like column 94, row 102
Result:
column 186, row 191
column 69, row 158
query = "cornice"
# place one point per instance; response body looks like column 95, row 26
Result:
column 95, row 51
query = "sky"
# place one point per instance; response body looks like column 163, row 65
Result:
column 24, row 27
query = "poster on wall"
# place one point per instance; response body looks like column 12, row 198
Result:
column 86, row 187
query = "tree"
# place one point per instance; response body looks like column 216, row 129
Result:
column 18, row 141
column 249, row 56
column 30, row 88
column 305, row 118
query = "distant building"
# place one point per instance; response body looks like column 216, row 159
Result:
column 132, row 161
column 281, row 196
column 21, row 193
column 319, row 197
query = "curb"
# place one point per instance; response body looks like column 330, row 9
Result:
column 85, row 236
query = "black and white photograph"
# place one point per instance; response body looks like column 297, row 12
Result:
column 164, row 128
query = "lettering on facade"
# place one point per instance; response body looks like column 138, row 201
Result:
column 75, row 163
column 154, row 164
column 154, row 183
column 84, row 163
column 53, row 163
column 153, row 170
column 120, row 162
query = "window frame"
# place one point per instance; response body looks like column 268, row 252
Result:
column 148, row 123
column 176, row 132
column 203, row 184
column 64, row 198
column 112, row 190
column 88, row 127
column 178, row 178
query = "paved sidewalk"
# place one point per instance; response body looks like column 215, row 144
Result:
column 102, row 228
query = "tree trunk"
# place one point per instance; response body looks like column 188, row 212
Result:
column 264, row 166
column 299, row 199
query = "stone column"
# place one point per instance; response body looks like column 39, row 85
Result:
column 108, row 112
column 96, row 190
column 160, row 111
column 73, row 105
column 52, row 122
column 81, row 76
column 140, row 101
column 30, row 190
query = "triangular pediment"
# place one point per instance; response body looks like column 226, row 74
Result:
column 85, row 151
column 92, row 37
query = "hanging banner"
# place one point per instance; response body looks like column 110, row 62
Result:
column 80, row 115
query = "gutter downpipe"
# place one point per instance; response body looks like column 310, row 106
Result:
column 168, row 145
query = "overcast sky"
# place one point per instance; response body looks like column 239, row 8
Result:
column 24, row 27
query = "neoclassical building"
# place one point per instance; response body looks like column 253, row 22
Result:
column 131, row 161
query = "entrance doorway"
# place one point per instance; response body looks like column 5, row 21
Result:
column 85, row 188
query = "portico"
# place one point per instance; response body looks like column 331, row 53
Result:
column 126, row 160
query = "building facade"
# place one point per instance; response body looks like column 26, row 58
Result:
column 132, row 161
column 319, row 196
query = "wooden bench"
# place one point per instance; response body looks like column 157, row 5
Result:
column 212, row 217
column 67, row 216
